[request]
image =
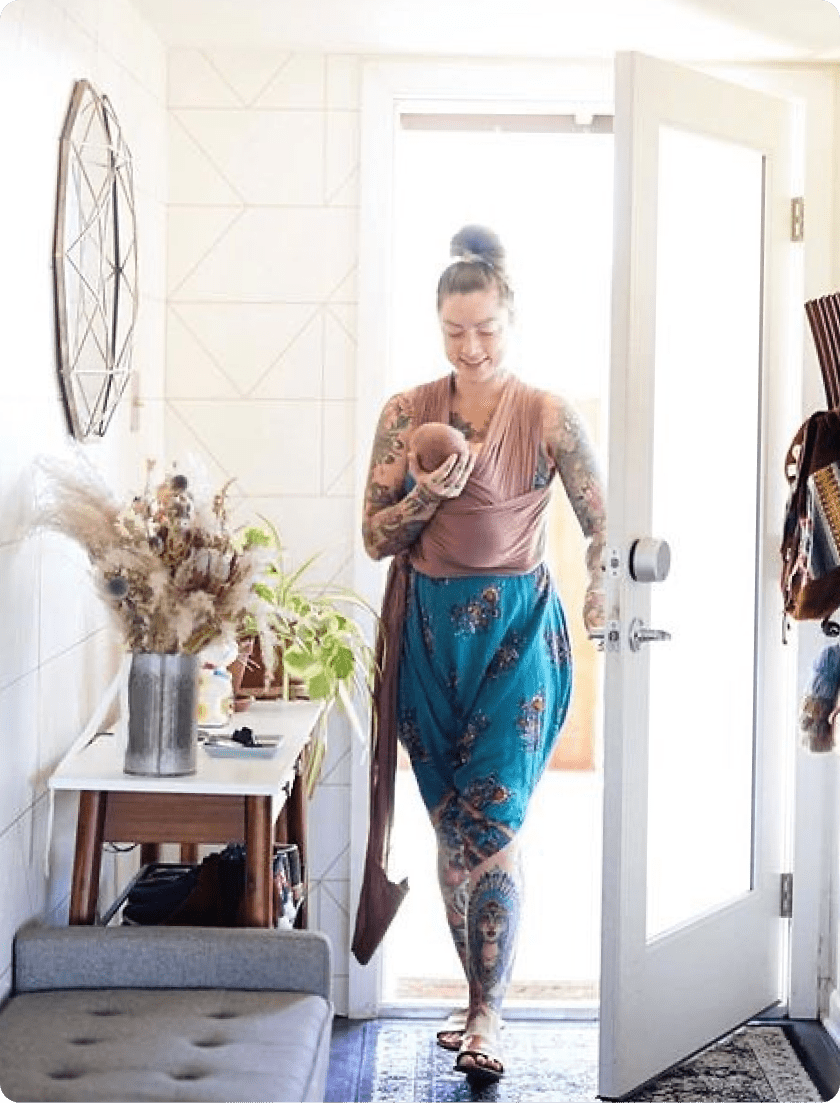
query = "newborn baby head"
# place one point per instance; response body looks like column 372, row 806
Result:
column 434, row 442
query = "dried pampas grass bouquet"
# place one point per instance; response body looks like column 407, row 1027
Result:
column 167, row 563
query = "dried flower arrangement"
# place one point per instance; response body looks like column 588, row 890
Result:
column 168, row 564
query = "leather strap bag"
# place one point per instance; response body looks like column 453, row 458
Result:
column 811, row 534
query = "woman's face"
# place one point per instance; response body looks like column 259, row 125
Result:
column 474, row 330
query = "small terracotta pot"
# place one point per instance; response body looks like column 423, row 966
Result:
column 238, row 666
column 255, row 685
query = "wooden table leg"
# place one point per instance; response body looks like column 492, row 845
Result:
column 84, row 890
column 189, row 854
column 296, row 819
column 258, row 862
column 149, row 853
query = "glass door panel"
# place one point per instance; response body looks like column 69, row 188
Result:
column 706, row 463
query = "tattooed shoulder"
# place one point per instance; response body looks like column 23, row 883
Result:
column 390, row 441
column 562, row 427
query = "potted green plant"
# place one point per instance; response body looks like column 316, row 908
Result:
column 311, row 643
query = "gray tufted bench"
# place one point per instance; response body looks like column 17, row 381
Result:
column 157, row 1013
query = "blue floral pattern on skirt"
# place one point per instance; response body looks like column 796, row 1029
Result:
column 484, row 686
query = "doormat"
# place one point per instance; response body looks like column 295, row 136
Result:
column 397, row 1061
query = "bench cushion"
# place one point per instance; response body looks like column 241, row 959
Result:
column 164, row 1044
column 171, row 957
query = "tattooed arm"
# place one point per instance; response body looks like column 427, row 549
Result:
column 393, row 519
column 569, row 447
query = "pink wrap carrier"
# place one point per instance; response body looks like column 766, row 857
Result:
column 496, row 526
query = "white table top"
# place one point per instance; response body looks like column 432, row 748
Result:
column 98, row 764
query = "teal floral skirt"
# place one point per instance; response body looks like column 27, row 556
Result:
column 484, row 685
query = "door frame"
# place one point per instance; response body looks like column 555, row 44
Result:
column 389, row 87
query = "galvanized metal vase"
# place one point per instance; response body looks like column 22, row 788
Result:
column 162, row 733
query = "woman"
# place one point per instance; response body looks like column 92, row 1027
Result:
column 477, row 663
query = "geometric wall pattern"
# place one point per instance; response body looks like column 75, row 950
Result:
column 261, row 333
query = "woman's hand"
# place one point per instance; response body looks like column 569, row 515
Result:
column 393, row 519
column 594, row 615
column 446, row 481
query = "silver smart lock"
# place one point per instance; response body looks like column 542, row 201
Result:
column 650, row 560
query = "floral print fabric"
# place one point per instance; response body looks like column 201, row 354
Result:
column 484, row 687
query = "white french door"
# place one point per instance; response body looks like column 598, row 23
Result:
column 694, row 724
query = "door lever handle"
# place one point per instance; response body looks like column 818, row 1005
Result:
column 638, row 634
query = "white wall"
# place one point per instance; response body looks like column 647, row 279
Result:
column 55, row 652
column 261, row 335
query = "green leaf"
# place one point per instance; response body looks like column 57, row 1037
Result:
column 314, row 762
column 298, row 659
column 343, row 663
column 319, row 687
column 257, row 538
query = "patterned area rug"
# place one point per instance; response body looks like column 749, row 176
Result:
column 399, row 1062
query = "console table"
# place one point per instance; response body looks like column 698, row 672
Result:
column 226, row 800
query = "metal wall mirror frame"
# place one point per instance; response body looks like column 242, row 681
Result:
column 94, row 263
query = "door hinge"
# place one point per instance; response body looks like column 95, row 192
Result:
column 786, row 896
column 797, row 218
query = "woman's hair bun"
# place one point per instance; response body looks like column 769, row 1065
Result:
column 478, row 263
column 478, row 243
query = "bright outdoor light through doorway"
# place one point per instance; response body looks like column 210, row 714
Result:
column 547, row 192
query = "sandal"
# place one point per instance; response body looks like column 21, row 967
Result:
column 451, row 1033
column 480, row 1046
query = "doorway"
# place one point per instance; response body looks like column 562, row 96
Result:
column 544, row 183
column 392, row 87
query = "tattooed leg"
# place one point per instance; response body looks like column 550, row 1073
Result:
column 493, row 912
column 453, row 879
column 470, row 846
